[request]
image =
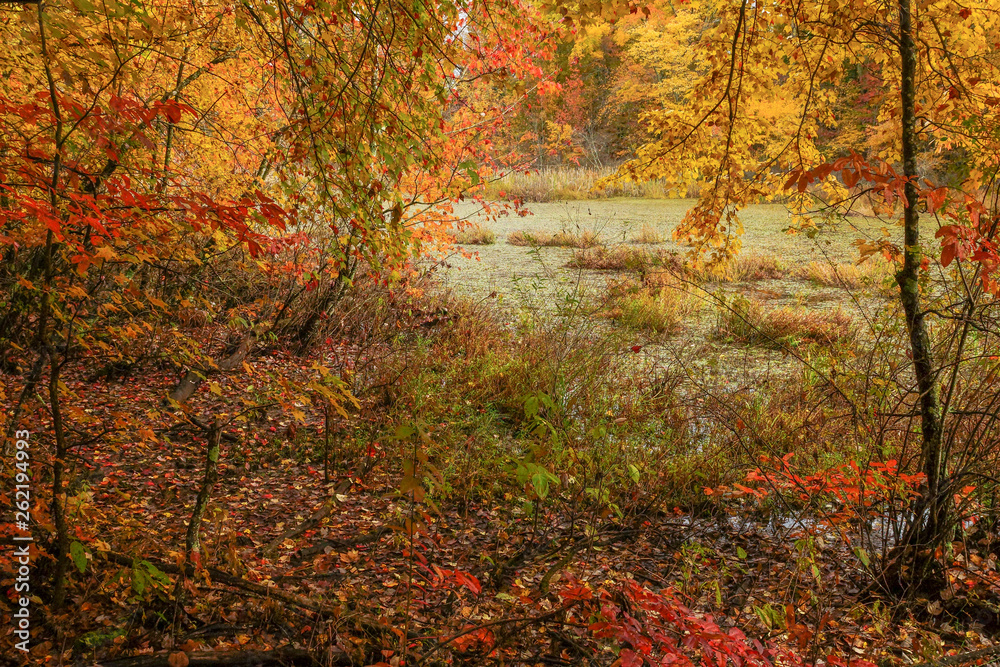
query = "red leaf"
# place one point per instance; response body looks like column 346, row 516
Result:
column 792, row 178
column 630, row 658
column 577, row 592
column 947, row 254
column 935, row 199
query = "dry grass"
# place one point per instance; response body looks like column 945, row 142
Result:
column 744, row 268
column 748, row 321
column 740, row 269
column 622, row 258
column 648, row 235
column 661, row 308
column 747, row 268
column 561, row 239
column 871, row 273
column 475, row 235
column 569, row 183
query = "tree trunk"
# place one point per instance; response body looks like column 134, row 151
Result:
column 29, row 388
column 930, row 521
column 193, row 379
column 326, row 443
column 193, row 542
column 58, row 501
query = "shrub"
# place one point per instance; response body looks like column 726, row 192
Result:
column 475, row 235
column 748, row 321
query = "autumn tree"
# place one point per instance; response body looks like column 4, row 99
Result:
column 757, row 125
column 164, row 166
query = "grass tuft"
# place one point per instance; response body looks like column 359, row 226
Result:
column 872, row 272
column 744, row 268
column 748, row 321
column 561, row 239
column 659, row 308
column 648, row 235
column 622, row 258
column 475, row 235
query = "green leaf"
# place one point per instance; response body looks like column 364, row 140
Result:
column 764, row 614
column 156, row 574
column 633, row 472
column 540, row 481
column 740, row 553
column 531, row 407
column 862, row 556
column 139, row 580
column 79, row 556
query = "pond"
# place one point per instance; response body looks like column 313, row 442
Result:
column 510, row 270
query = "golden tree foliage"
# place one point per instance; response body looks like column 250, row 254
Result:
column 769, row 81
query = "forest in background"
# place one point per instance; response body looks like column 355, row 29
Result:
column 245, row 425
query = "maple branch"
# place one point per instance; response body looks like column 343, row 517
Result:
column 170, row 124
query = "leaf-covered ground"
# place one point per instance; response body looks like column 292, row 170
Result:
column 356, row 572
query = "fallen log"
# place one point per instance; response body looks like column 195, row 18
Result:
column 370, row 626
